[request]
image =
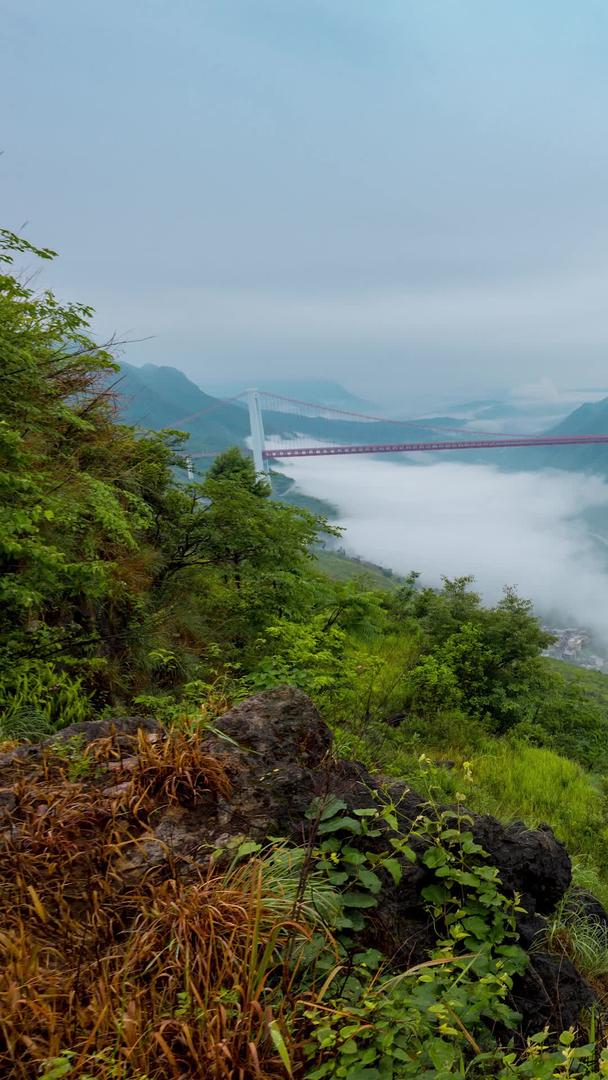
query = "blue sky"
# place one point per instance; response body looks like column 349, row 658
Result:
column 405, row 195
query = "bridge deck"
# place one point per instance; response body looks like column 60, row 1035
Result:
column 416, row 447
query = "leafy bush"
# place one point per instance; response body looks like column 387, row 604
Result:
column 302, row 654
column 436, row 1019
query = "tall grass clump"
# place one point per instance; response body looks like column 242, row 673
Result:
column 582, row 936
column 519, row 782
column 586, row 875
column 114, row 966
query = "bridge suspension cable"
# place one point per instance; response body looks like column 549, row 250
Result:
column 329, row 412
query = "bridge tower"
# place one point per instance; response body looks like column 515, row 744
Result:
column 257, row 431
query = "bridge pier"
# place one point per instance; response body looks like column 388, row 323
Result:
column 257, row 432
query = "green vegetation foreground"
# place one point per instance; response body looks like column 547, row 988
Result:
column 124, row 589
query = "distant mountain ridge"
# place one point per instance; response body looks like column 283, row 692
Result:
column 322, row 391
column 588, row 419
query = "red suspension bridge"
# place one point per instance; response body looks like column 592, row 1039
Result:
column 415, row 447
column 311, row 432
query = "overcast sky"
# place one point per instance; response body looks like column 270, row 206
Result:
column 405, row 195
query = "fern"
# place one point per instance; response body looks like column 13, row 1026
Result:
column 25, row 722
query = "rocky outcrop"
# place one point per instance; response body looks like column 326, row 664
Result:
column 275, row 753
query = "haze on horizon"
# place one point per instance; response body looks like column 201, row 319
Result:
column 407, row 197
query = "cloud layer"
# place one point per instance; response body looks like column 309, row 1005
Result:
column 520, row 529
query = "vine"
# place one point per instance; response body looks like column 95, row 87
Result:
column 438, row 1018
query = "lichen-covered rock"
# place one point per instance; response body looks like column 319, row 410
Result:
column 277, row 750
column 278, row 727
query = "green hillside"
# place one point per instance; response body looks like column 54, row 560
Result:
column 594, row 684
column 341, row 567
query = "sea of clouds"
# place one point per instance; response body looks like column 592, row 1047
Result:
column 521, row 529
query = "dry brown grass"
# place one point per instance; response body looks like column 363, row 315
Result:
column 175, row 770
column 161, row 978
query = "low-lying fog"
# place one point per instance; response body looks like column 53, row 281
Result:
column 521, row 529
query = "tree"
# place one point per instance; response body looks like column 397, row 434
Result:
column 106, row 560
column 241, row 557
column 492, row 653
column 231, row 464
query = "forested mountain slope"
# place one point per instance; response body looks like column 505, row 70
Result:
column 162, row 397
column 320, row 391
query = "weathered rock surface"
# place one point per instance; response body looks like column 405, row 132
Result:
column 551, row 993
column 277, row 753
column 532, row 862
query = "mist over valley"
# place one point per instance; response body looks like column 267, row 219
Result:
column 532, row 530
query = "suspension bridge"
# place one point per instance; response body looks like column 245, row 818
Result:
column 312, row 429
